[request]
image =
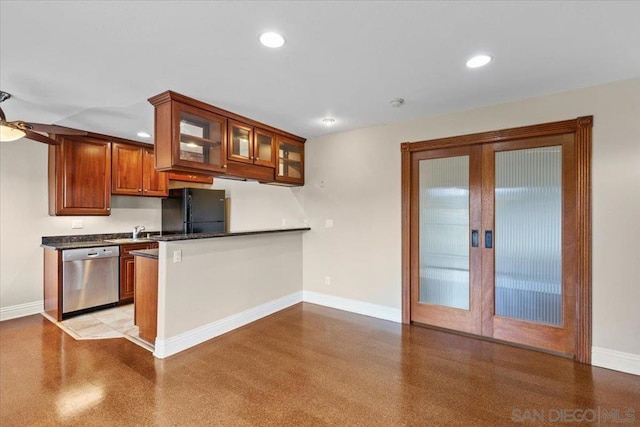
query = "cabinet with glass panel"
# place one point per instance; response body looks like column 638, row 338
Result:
column 250, row 144
column 188, row 138
column 290, row 161
column 196, row 138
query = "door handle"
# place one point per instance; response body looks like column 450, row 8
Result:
column 488, row 239
column 474, row 238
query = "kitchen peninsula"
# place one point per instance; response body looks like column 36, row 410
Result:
column 211, row 283
column 193, row 287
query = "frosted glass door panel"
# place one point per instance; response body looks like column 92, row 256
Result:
column 444, row 231
column 528, row 234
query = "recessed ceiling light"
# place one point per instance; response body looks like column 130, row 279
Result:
column 144, row 135
column 479, row 61
column 328, row 121
column 396, row 102
column 271, row 39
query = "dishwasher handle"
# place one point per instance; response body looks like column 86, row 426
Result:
column 69, row 255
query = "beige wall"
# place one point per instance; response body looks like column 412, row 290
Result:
column 354, row 179
column 256, row 206
column 219, row 278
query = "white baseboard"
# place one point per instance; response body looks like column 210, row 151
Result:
column 170, row 346
column 354, row 306
column 616, row 360
column 21, row 310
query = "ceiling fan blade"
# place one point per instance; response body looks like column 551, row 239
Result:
column 2, row 116
column 40, row 138
column 59, row 130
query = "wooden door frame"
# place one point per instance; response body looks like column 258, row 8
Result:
column 581, row 128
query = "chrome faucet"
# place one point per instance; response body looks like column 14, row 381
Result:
column 137, row 230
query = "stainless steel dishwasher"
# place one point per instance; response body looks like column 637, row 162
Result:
column 90, row 278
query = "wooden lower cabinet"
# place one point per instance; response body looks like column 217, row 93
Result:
column 128, row 271
column 146, row 296
column 53, row 283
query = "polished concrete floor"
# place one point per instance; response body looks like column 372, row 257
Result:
column 307, row 365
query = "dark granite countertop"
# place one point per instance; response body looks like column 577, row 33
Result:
column 146, row 253
column 95, row 240
column 78, row 241
column 175, row 237
column 76, row 245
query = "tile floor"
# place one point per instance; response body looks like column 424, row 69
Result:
column 114, row 322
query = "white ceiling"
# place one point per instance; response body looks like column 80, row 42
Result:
column 92, row 65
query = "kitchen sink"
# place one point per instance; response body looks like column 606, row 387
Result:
column 129, row 240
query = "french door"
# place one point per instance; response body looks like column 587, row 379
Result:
column 492, row 243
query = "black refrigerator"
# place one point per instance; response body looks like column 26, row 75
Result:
column 193, row 210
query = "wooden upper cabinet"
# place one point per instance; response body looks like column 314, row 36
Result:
column 197, row 138
column 290, row 161
column 126, row 170
column 189, row 139
column 240, row 142
column 176, row 176
column 264, row 150
column 250, row 145
column 134, row 172
column 154, row 183
column 80, row 176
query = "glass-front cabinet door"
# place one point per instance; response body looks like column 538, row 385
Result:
column 263, row 148
column 240, row 146
column 290, row 161
column 201, row 138
column 195, row 138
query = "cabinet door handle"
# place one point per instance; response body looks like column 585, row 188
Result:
column 139, row 190
column 488, row 239
column 474, row 238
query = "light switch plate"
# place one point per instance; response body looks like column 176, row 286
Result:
column 77, row 223
column 328, row 223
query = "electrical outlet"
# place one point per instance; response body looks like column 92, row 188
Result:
column 305, row 223
column 328, row 223
column 284, row 222
column 77, row 223
column 327, row 281
column 177, row 256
